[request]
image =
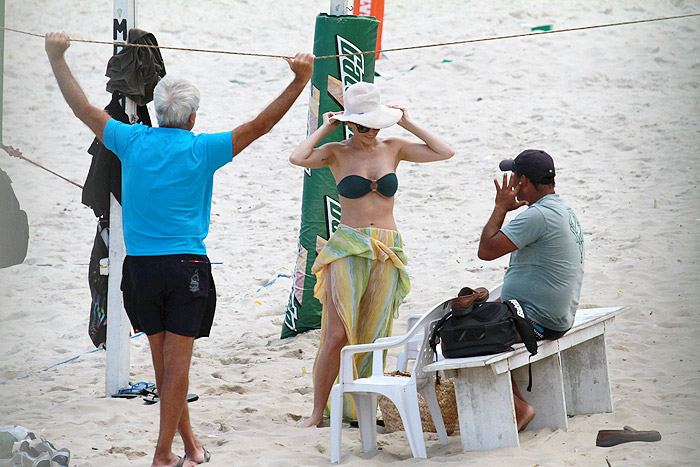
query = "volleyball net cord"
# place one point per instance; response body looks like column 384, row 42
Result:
column 16, row 153
column 424, row 46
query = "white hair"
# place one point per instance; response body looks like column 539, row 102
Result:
column 175, row 99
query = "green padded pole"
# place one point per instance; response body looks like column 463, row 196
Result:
column 320, row 211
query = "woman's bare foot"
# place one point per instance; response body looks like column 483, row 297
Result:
column 311, row 421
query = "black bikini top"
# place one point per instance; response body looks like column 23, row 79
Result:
column 355, row 186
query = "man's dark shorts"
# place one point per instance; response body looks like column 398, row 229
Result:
column 172, row 293
column 543, row 333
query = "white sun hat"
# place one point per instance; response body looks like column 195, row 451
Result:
column 362, row 106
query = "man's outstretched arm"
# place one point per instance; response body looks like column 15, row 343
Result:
column 95, row 118
column 302, row 65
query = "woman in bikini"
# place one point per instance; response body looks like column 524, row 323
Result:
column 361, row 273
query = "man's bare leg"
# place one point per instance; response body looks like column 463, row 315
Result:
column 193, row 447
column 171, row 355
column 524, row 412
column 328, row 363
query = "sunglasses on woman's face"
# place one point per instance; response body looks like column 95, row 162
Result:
column 363, row 129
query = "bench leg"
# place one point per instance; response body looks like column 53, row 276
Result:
column 586, row 380
column 547, row 396
column 486, row 411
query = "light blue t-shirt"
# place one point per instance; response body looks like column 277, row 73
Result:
column 546, row 271
column 167, row 180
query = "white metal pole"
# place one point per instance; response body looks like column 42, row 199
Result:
column 118, row 327
column 339, row 8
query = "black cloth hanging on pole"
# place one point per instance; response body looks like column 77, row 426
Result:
column 105, row 174
column 134, row 73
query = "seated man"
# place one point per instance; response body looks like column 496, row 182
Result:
column 546, row 242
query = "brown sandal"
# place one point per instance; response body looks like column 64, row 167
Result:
column 608, row 438
column 468, row 297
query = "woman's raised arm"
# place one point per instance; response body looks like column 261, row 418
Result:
column 433, row 149
column 307, row 154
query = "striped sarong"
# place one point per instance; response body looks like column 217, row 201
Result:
column 364, row 269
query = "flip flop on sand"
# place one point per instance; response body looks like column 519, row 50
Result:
column 153, row 399
column 135, row 389
column 608, row 438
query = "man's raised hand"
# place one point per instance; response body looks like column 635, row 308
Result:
column 506, row 195
column 302, row 65
column 56, row 44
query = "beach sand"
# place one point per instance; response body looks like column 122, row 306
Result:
column 618, row 108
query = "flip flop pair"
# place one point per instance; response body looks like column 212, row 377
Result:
column 135, row 390
column 40, row 453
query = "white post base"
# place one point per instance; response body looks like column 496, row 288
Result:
column 118, row 327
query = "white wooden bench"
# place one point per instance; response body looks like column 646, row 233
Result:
column 569, row 377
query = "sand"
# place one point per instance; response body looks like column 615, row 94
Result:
column 618, row 108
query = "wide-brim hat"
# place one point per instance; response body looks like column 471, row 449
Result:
column 363, row 107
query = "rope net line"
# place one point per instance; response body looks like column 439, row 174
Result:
column 16, row 153
column 13, row 152
column 441, row 44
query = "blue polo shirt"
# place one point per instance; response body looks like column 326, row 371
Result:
column 167, row 181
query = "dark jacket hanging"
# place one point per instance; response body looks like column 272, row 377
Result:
column 134, row 73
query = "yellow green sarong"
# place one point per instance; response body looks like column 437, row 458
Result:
column 365, row 271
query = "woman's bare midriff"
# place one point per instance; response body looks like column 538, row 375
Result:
column 372, row 210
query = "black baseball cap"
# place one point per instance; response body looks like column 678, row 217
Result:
column 535, row 164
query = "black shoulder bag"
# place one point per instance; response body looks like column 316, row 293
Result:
column 484, row 328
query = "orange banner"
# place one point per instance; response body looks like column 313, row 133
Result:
column 374, row 8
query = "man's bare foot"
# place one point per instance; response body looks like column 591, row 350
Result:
column 178, row 462
column 528, row 413
column 200, row 456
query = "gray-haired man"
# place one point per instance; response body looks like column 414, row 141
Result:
column 167, row 179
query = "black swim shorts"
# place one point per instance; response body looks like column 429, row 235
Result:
column 172, row 293
column 543, row 333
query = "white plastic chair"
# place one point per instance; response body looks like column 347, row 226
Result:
column 402, row 391
column 495, row 294
column 410, row 350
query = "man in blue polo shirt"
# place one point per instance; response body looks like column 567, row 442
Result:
column 167, row 179
column 546, row 245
